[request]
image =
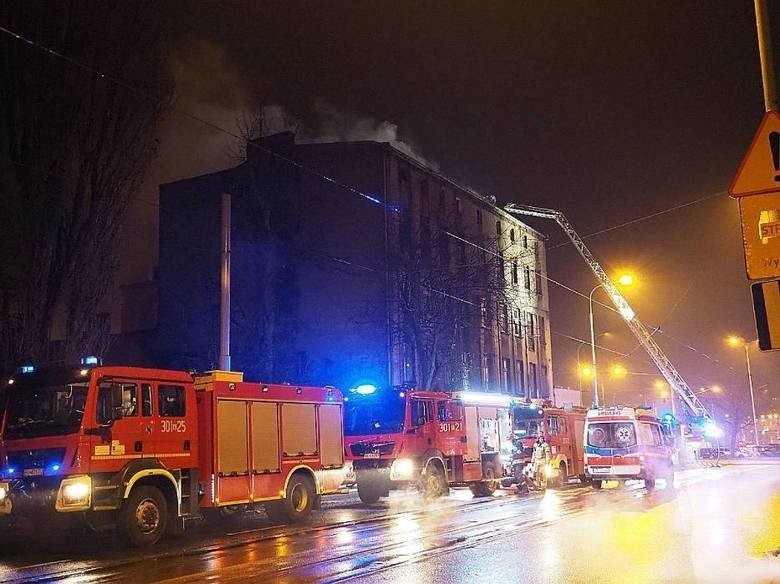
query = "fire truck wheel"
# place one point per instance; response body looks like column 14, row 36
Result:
column 299, row 499
column 434, row 483
column 144, row 516
column 561, row 476
column 369, row 489
column 596, row 483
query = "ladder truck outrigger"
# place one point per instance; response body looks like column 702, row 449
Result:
column 639, row 330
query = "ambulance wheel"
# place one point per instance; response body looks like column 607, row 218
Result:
column 434, row 484
column 369, row 489
column 144, row 516
column 596, row 483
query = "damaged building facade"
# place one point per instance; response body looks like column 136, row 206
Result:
column 353, row 263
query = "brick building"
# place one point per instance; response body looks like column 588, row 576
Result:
column 384, row 272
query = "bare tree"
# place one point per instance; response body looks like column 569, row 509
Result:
column 448, row 287
column 75, row 146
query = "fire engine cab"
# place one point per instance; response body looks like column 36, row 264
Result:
column 562, row 428
column 429, row 439
column 144, row 449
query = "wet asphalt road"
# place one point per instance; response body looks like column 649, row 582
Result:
column 713, row 525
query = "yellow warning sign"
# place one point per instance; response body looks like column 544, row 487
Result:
column 760, row 216
column 760, row 169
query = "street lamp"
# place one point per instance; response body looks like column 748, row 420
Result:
column 623, row 280
column 586, row 370
column 736, row 341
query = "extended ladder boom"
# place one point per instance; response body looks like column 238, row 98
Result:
column 644, row 336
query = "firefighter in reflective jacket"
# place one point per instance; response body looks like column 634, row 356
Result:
column 536, row 471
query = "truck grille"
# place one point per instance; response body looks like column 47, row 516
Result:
column 34, row 460
column 363, row 448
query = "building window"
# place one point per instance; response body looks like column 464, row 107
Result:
column 442, row 202
column 483, row 313
column 479, row 217
column 504, row 312
column 498, row 228
column 458, row 206
column 527, row 277
column 531, row 336
column 545, row 389
column 488, row 375
column 515, row 272
column 525, row 241
column 538, row 287
column 542, row 333
column 520, row 378
column 506, row 374
column 516, row 327
column 512, row 235
column 425, row 200
column 533, row 385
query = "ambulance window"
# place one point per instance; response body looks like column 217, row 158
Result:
column 146, row 399
column 657, row 437
column 645, row 434
column 171, row 401
column 449, row 411
column 552, row 425
column 421, row 412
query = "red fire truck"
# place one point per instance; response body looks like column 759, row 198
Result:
column 429, row 439
column 562, row 428
column 144, row 449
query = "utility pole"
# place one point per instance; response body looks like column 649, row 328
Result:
column 766, row 55
column 224, row 297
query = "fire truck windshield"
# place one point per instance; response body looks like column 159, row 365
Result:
column 379, row 413
column 527, row 422
column 35, row 411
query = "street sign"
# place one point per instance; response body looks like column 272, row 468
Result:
column 760, row 169
column 766, row 305
column 760, row 215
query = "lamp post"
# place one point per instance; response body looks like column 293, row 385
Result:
column 736, row 341
column 625, row 280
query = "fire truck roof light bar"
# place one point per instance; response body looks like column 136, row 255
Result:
column 478, row 398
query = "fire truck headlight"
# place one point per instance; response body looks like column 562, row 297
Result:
column 403, row 469
column 75, row 494
column 3, row 492
column 548, row 470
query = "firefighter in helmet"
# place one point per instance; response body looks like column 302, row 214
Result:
column 539, row 461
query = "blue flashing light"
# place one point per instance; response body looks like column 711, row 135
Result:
column 9, row 471
column 668, row 419
column 90, row 360
column 54, row 468
column 27, row 369
column 365, row 389
column 401, row 394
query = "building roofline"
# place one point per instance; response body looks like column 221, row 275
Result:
column 388, row 146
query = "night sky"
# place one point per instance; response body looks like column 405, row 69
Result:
column 610, row 111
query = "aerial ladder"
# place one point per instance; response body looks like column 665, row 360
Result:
column 642, row 334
